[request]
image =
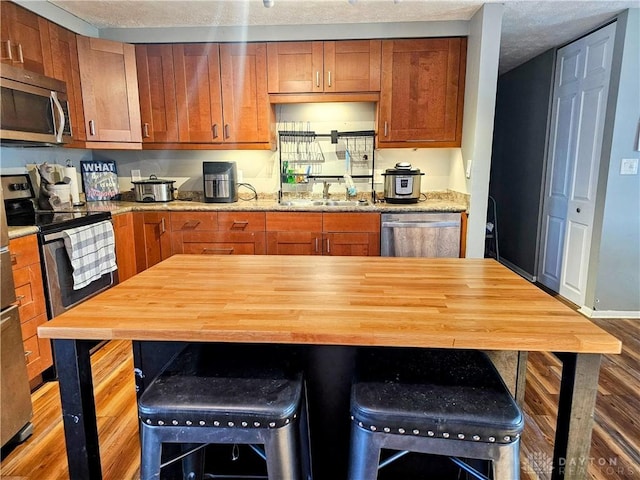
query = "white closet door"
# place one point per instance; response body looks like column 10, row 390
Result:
column 581, row 87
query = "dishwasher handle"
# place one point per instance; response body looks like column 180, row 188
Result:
column 435, row 224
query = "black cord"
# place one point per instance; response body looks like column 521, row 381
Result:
column 250, row 187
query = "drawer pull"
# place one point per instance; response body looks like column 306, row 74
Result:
column 239, row 224
column 217, row 251
column 190, row 225
column 145, row 130
column 27, row 353
column 19, row 299
column 20, row 55
column 14, row 259
column 9, row 53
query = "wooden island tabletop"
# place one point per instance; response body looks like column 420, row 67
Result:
column 383, row 301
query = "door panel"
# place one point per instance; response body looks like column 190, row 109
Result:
column 581, row 89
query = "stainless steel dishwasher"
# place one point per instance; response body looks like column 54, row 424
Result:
column 420, row 235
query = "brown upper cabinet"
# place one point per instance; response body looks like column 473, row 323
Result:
column 109, row 93
column 421, row 102
column 200, row 95
column 332, row 66
column 25, row 39
column 157, row 90
column 64, row 50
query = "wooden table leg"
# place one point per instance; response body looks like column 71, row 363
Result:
column 578, row 391
column 73, row 364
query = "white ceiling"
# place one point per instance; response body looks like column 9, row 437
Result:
column 529, row 27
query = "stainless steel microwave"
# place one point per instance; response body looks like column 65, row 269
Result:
column 34, row 109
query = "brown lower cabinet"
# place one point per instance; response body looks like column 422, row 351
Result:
column 293, row 233
column 218, row 233
column 152, row 238
column 125, row 245
column 27, row 277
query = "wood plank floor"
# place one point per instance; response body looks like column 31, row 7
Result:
column 615, row 451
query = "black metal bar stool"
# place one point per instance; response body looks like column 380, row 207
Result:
column 227, row 394
column 442, row 402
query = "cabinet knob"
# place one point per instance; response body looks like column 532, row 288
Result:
column 578, row 210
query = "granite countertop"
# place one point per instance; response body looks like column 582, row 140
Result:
column 447, row 201
column 435, row 202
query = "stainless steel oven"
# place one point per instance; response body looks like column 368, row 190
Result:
column 58, row 275
column 60, row 294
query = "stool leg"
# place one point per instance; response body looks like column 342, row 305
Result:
column 364, row 454
column 193, row 465
column 507, row 465
column 151, row 453
column 280, row 448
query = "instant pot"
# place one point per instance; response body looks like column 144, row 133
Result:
column 402, row 183
column 153, row 189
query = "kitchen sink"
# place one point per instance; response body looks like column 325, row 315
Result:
column 324, row 203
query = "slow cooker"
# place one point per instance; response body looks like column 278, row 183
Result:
column 153, row 189
column 402, row 184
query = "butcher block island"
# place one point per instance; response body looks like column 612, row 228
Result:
column 331, row 303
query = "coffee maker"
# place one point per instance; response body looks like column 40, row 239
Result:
column 220, row 182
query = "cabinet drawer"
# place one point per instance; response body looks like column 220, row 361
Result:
column 30, row 327
column 351, row 222
column 31, row 352
column 29, row 292
column 24, row 251
column 293, row 222
column 194, row 221
column 241, row 221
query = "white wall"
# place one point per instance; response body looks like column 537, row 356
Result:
column 477, row 128
column 614, row 270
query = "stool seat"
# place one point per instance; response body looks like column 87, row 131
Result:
column 244, row 394
column 441, row 402
column 457, row 394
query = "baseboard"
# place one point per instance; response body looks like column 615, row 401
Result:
column 518, row 270
column 588, row 312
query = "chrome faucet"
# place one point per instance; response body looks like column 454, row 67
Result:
column 325, row 189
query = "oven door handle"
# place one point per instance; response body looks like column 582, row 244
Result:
column 52, row 237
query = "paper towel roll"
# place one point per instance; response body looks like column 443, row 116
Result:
column 73, row 175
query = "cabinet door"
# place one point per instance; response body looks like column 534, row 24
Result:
column 125, row 246
column 245, row 101
column 294, row 233
column 157, row 90
column 351, row 234
column 109, row 90
column 198, row 92
column 294, row 243
column 352, row 66
column 422, row 92
column 153, row 240
column 348, row 244
column 295, row 67
column 64, row 51
column 25, row 39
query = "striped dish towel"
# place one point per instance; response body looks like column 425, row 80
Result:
column 91, row 250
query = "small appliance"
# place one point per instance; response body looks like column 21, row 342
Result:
column 402, row 184
column 220, row 182
column 153, row 189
